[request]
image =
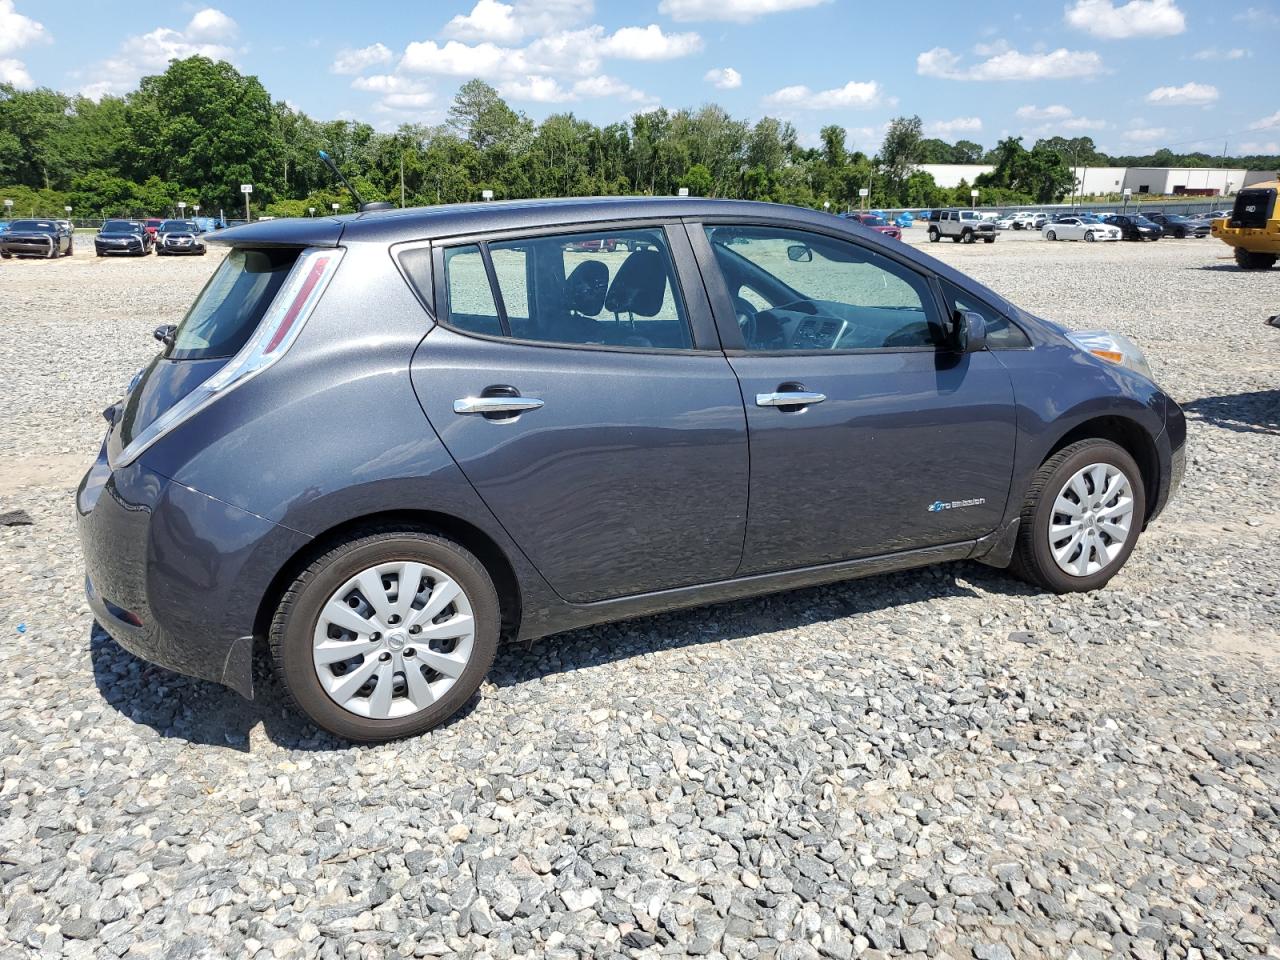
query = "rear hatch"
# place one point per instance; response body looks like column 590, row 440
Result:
column 246, row 317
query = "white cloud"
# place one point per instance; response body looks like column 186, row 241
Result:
column 456, row 59
column 18, row 31
column 15, row 72
column 211, row 24
column 1187, row 95
column 951, row 128
column 387, row 83
column 547, row 16
column 1060, row 64
column 1053, row 112
column 1145, row 134
column 1079, row 123
column 350, row 61
column 649, row 43
column 1258, row 17
column 1213, row 53
column 726, row 78
column 738, row 11
column 151, row 52
column 854, row 94
column 541, row 89
column 1137, row 18
column 1271, row 147
column 405, row 101
column 1266, row 123
column 488, row 20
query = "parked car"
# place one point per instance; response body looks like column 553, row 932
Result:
column 1074, row 228
column 369, row 447
column 153, row 225
column 208, row 224
column 126, row 237
column 1025, row 220
column 1180, row 227
column 1135, row 227
column 179, row 237
column 37, row 238
column 877, row 223
column 962, row 226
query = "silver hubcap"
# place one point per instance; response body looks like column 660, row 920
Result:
column 393, row 639
column 1092, row 519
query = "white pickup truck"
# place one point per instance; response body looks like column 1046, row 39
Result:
column 962, row 226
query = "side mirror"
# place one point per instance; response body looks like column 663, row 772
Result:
column 800, row 253
column 164, row 333
column 971, row 331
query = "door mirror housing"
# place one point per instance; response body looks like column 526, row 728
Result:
column 970, row 331
column 164, row 333
column 800, row 253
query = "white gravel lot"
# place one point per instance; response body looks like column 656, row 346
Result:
column 934, row 763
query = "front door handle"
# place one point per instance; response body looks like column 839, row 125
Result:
column 789, row 398
column 495, row 404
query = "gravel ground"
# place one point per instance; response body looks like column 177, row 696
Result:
column 935, row 763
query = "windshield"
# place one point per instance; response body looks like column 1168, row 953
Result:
column 228, row 309
column 1143, row 221
column 36, row 225
column 120, row 226
column 1175, row 219
column 177, row 226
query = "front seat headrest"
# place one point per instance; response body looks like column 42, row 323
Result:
column 639, row 285
column 587, row 286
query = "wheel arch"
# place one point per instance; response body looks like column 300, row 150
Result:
column 1130, row 436
column 460, row 531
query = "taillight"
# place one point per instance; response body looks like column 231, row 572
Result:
column 275, row 334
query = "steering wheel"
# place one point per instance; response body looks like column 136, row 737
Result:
column 746, row 319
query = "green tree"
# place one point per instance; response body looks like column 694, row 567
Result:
column 900, row 153
column 698, row 179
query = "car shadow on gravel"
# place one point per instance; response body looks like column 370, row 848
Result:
column 725, row 622
column 1254, row 412
column 202, row 712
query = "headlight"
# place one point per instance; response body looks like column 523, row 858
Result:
column 1115, row 347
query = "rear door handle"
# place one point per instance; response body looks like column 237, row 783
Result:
column 789, row 398
column 495, row 404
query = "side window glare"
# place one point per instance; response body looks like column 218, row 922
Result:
column 471, row 303
column 1002, row 333
column 821, row 293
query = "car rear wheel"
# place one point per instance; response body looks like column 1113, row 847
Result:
column 1081, row 517
column 387, row 635
column 933, row 235
column 1247, row 260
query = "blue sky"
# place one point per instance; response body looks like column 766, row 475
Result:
column 1133, row 74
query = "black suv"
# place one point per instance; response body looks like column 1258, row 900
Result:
column 1136, row 227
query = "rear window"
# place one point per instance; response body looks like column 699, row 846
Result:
column 232, row 303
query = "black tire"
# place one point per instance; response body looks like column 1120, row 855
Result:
column 988, row 239
column 1247, row 260
column 71, row 249
column 966, row 236
column 1032, row 559
column 295, row 620
column 6, row 256
column 1051, row 235
column 1089, row 237
column 1180, row 235
column 934, row 236
column 955, row 239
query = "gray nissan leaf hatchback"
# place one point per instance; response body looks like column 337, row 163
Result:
column 380, row 443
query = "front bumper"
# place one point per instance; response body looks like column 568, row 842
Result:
column 133, row 247
column 175, row 576
column 24, row 247
column 1171, row 451
column 180, row 248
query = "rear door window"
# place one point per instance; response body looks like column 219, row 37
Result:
column 231, row 305
column 614, row 289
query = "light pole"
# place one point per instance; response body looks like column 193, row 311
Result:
column 973, row 199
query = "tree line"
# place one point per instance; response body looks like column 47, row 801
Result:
column 200, row 129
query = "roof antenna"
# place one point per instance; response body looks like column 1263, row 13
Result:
column 361, row 205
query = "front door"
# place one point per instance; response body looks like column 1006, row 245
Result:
column 869, row 434
column 581, row 388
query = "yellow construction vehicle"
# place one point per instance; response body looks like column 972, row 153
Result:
column 1253, row 227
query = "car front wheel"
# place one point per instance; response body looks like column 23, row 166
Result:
column 1088, row 237
column 1051, row 235
column 1081, row 517
column 387, row 635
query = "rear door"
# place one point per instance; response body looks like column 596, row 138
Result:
column 577, row 379
column 893, row 440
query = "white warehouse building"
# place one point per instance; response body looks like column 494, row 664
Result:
column 1098, row 181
